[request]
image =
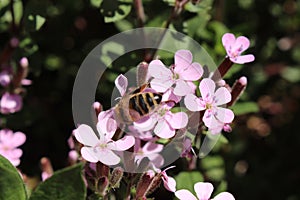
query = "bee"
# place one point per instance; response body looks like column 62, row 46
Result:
column 137, row 104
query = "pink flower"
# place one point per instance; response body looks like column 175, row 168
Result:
column 169, row 182
column 151, row 151
column 164, row 122
column 203, row 191
column 181, row 74
column 102, row 149
column 9, row 142
column 210, row 101
column 235, row 46
column 10, row 103
column 5, row 78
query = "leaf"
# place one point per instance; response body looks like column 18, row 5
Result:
column 18, row 11
column 114, row 10
column 35, row 22
column 96, row 3
column 186, row 180
column 65, row 184
column 203, row 5
column 291, row 74
column 244, row 108
column 212, row 162
column 11, row 184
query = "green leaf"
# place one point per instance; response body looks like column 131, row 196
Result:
column 114, row 10
column 65, row 184
column 11, row 183
column 186, row 180
column 244, row 108
column 35, row 22
column 212, row 162
column 18, row 11
column 96, row 3
column 291, row 74
column 203, row 5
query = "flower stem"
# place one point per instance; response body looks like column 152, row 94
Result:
column 222, row 69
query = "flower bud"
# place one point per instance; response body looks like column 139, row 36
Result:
column 237, row 90
column 142, row 73
column 222, row 69
column 144, row 184
column 116, row 177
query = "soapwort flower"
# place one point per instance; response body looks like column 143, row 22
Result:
column 181, row 74
column 235, row 47
column 210, row 101
column 9, row 142
column 101, row 149
column 203, row 191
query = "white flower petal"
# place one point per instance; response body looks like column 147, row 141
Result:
column 108, row 157
column 158, row 70
column 163, row 130
column 121, row 83
column 160, row 85
column 185, row 195
column 222, row 96
column 182, row 88
column 225, row 115
column 207, row 88
column 89, row 155
column 85, row 135
column 203, row 190
column 123, row 144
column 224, row 196
column 193, row 103
column 177, row 120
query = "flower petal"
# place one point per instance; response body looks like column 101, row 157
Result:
column 243, row 59
column 161, row 85
column 85, row 135
column 193, row 103
column 150, row 148
column 170, row 96
column 241, row 44
column 192, row 73
column 207, row 88
column 182, row 59
column 108, row 157
column 123, row 144
column 177, row 120
column 182, row 88
column 158, row 70
column 121, row 83
column 88, row 154
column 185, row 195
column 224, row 196
column 222, row 96
column 156, row 159
column 203, row 190
column 225, row 115
column 107, row 127
column 170, row 184
column 209, row 119
column 228, row 40
column 163, row 130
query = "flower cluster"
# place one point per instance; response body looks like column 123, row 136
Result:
column 160, row 111
column 11, row 100
column 9, row 143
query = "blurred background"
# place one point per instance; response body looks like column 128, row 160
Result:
column 259, row 161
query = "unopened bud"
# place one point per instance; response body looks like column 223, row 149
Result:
column 24, row 62
column 102, row 186
column 14, row 42
column 116, row 177
column 237, row 90
column 142, row 73
column 154, row 184
column 144, row 184
column 97, row 107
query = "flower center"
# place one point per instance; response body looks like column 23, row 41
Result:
column 208, row 106
column 175, row 76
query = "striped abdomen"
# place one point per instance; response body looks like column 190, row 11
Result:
column 144, row 103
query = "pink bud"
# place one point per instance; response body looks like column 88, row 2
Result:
column 14, row 42
column 243, row 80
column 24, row 62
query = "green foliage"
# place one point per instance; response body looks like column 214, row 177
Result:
column 65, row 184
column 244, row 108
column 115, row 10
column 186, row 180
column 11, row 183
column 213, row 167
